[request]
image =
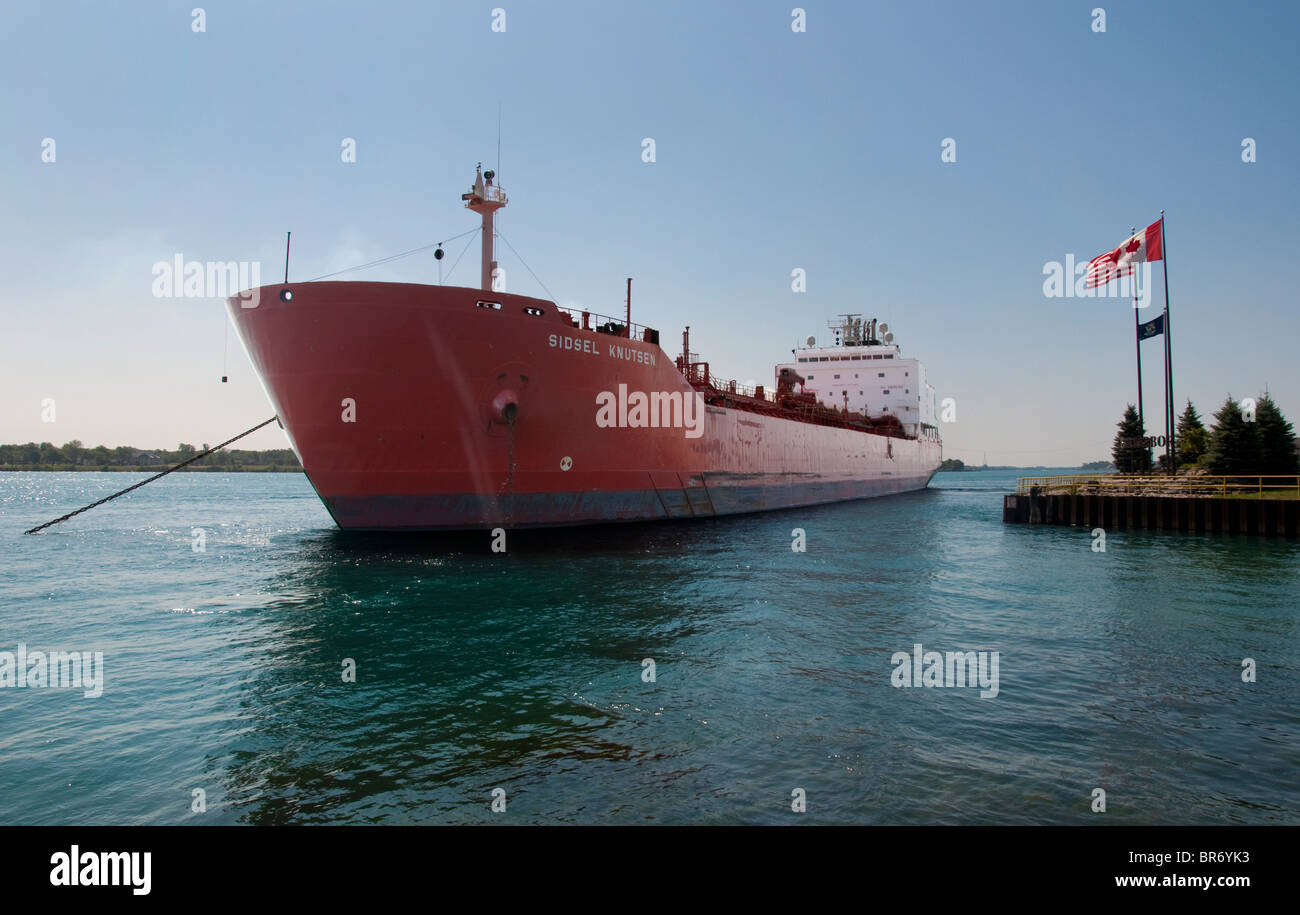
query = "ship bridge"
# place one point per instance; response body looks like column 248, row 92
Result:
column 864, row 370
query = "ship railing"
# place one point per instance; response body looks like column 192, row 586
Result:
column 697, row 374
column 1283, row 486
column 755, row 392
column 717, row 391
column 616, row 327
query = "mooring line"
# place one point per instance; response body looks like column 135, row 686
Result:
column 203, row 454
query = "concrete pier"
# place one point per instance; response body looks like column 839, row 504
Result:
column 1264, row 517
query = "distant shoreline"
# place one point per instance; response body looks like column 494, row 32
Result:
column 952, row 465
column 1007, row 467
column 151, row 468
column 74, row 457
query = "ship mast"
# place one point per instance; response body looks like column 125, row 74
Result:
column 485, row 198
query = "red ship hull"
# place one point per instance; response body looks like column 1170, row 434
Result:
column 415, row 407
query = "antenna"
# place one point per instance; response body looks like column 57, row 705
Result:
column 498, row 137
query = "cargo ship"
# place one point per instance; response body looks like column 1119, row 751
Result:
column 423, row 407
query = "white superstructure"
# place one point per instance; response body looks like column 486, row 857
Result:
column 868, row 374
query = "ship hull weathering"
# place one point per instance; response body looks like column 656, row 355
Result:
column 425, row 407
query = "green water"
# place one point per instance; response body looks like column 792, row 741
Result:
column 524, row 671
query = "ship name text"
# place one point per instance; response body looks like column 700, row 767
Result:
column 616, row 351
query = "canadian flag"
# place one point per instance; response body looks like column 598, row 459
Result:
column 1145, row 246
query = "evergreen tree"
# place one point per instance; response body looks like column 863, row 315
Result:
column 1234, row 443
column 1128, row 459
column 1277, row 454
column 1193, row 438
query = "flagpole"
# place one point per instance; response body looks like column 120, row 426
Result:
column 1171, row 449
column 1137, row 342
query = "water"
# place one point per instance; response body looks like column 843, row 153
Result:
column 474, row 671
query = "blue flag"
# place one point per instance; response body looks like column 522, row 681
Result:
column 1152, row 328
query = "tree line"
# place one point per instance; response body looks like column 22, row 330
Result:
column 1243, row 441
column 75, row 456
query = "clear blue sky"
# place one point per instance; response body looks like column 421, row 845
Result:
column 775, row 150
